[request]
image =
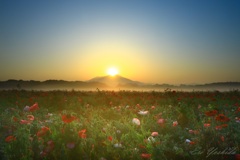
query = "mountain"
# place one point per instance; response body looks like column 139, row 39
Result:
column 112, row 83
column 50, row 85
column 116, row 81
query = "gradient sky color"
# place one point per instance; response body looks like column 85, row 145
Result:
column 150, row 41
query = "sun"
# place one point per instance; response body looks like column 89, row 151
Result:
column 112, row 71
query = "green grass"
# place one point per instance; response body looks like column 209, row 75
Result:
column 110, row 133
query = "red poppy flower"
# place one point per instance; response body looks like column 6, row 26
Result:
column 43, row 131
column 146, row 156
column 211, row 113
column 192, row 142
column 222, row 118
column 68, row 118
column 34, row 107
column 207, row 125
column 82, row 134
column 110, row 138
column 10, row 139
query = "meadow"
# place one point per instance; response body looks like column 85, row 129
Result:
column 119, row 125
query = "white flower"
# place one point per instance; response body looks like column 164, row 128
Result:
column 118, row 131
column 50, row 114
column 26, row 109
column 151, row 139
column 136, row 121
column 143, row 112
column 118, row 145
column 187, row 141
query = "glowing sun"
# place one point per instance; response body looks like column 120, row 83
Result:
column 112, row 71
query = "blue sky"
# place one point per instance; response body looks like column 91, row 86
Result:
column 150, row 41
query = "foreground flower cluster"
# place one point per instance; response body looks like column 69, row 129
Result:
column 159, row 126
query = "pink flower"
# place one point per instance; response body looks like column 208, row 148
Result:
column 175, row 123
column 136, row 121
column 24, row 121
column 30, row 117
column 154, row 134
column 161, row 121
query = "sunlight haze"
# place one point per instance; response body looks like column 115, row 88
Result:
column 149, row 41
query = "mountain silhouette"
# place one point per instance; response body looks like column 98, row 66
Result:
column 116, row 81
column 112, row 82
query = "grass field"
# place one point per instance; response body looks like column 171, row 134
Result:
column 106, row 125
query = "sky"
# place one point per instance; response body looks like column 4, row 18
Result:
column 153, row 41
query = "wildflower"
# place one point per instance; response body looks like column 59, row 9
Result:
column 118, row 131
column 161, row 121
column 26, row 108
column 222, row 118
column 70, row 145
column 43, row 131
column 237, row 119
column 10, row 139
column 30, row 117
column 218, row 127
column 24, row 121
column 189, row 141
column 206, row 125
column 211, row 113
column 146, row 156
column 192, row 142
column 68, row 118
column 34, row 107
column 154, row 134
column 118, row 145
column 175, row 123
column 193, row 131
column 110, row 138
column 82, row 134
column 153, row 107
column 151, row 139
column 136, row 121
column 143, row 112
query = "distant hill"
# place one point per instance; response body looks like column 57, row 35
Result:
column 50, row 85
column 109, row 82
column 116, row 81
